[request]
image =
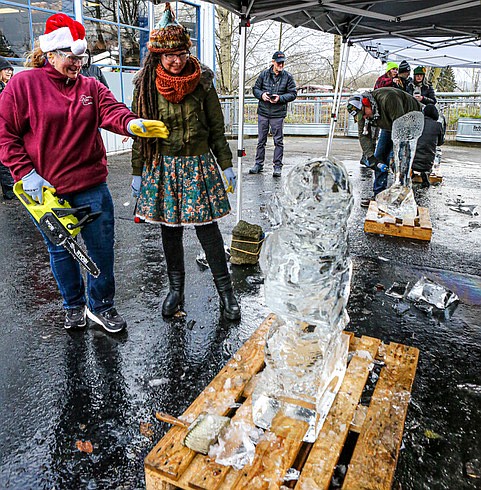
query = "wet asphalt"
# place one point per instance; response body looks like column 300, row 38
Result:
column 58, row 388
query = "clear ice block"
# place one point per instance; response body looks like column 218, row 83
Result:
column 307, row 284
column 398, row 200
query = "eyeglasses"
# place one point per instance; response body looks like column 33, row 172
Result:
column 73, row 59
column 176, row 56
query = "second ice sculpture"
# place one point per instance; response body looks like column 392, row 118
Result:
column 307, row 284
column 398, row 200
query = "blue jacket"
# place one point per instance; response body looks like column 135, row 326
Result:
column 282, row 85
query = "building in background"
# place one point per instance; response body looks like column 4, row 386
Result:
column 117, row 33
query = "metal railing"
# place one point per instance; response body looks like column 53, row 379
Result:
column 310, row 114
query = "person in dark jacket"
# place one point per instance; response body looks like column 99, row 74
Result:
column 420, row 88
column 178, row 180
column 93, row 71
column 379, row 108
column 6, row 179
column 432, row 136
column 274, row 88
column 404, row 73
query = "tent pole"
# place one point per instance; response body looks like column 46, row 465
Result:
column 336, row 103
column 244, row 23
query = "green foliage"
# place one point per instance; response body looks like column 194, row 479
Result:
column 447, row 80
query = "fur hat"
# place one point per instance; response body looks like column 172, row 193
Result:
column 5, row 64
column 62, row 32
column 420, row 70
column 168, row 35
column 404, row 67
column 390, row 65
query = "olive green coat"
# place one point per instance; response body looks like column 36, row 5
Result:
column 392, row 103
column 196, row 126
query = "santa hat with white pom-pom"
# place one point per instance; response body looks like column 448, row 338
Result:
column 62, row 32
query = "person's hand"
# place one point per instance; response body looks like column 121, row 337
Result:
column 135, row 186
column 274, row 98
column 33, row 185
column 147, row 128
column 231, row 179
column 397, row 81
column 266, row 97
column 374, row 163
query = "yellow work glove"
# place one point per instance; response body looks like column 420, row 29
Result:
column 146, row 128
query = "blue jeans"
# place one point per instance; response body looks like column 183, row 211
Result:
column 277, row 127
column 98, row 237
column 383, row 151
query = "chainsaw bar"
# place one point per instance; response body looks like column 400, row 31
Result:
column 56, row 232
column 78, row 253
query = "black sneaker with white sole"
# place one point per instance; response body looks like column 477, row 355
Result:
column 109, row 320
column 75, row 317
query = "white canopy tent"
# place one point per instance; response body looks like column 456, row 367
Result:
column 456, row 22
column 426, row 52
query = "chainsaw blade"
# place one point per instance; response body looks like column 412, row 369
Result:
column 77, row 252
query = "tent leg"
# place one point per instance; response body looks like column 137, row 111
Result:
column 240, row 133
column 336, row 103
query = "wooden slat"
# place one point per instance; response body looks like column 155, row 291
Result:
column 384, row 224
column 374, row 459
column 319, row 467
column 169, row 456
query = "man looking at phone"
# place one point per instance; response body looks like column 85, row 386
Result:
column 274, row 88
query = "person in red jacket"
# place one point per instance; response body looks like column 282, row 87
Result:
column 49, row 120
column 390, row 78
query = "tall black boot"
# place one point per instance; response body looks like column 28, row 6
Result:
column 213, row 245
column 175, row 296
column 228, row 303
column 174, row 256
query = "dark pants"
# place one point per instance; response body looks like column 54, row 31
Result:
column 98, row 237
column 277, row 127
column 5, row 178
column 209, row 237
column 383, row 151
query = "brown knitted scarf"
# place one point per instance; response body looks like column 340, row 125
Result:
column 175, row 88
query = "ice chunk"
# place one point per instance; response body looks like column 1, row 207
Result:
column 397, row 290
column 236, row 445
column 427, row 291
column 398, row 200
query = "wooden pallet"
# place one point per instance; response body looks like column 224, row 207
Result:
column 376, row 427
column 381, row 223
column 433, row 178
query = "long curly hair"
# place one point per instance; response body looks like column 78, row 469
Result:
column 147, row 104
column 35, row 58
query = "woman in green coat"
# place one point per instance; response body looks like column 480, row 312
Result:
column 177, row 180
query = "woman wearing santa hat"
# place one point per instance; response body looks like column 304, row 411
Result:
column 49, row 120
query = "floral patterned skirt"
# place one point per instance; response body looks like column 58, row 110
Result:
column 179, row 190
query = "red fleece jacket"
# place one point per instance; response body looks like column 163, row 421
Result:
column 50, row 123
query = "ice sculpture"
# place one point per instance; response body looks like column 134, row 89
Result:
column 307, row 284
column 398, row 200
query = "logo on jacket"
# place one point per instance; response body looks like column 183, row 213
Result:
column 86, row 99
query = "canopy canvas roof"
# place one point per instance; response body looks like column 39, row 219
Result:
column 359, row 20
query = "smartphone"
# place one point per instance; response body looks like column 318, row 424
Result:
column 268, row 94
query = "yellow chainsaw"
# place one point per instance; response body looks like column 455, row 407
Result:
column 60, row 222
